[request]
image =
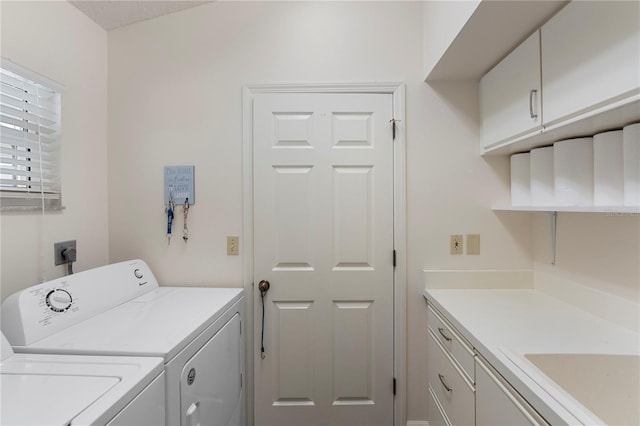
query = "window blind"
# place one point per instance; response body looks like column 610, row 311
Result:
column 29, row 141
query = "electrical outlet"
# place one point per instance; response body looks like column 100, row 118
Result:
column 473, row 244
column 232, row 246
column 61, row 251
column 456, row 244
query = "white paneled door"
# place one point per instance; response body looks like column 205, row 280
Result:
column 323, row 238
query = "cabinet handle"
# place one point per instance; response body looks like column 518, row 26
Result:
column 531, row 93
column 441, row 331
column 448, row 389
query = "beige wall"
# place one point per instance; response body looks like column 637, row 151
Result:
column 601, row 251
column 175, row 98
column 54, row 39
column 443, row 21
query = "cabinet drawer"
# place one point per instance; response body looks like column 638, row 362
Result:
column 453, row 390
column 436, row 416
column 451, row 341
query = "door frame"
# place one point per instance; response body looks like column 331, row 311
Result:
column 397, row 90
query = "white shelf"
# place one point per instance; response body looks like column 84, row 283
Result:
column 553, row 211
column 573, row 209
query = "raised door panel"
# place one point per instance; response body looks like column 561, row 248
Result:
column 590, row 58
column 510, row 96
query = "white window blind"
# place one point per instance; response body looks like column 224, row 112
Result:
column 29, row 140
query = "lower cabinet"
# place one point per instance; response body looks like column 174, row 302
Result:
column 451, row 388
column 463, row 396
column 497, row 403
column 450, row 374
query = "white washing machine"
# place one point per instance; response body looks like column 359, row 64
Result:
column 71, row 390
column 119, row 309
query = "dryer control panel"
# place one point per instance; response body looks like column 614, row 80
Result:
column 47, row 308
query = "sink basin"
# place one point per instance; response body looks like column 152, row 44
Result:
column 607, row 385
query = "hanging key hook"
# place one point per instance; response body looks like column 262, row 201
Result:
column 185, row 212
column 169, row 210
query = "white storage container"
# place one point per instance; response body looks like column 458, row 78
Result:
column 608, row 179
column 631, row 166
column 573, row 172
column 520, row 176
column 542, row 191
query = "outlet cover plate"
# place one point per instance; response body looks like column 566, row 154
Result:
column 58, row 248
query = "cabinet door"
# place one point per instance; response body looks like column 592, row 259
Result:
column 510, row 96
column 590, row 58
column 497, row 404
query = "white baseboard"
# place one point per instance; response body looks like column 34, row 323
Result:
column 417, row 423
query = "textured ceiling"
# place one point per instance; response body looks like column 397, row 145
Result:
column 110, row 14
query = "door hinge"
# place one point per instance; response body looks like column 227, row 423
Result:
column 394, row 258
column 241, row 328
column 394, row 386
column 393, row 122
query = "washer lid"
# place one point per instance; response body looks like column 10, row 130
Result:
column 159, row 323
column 32, row 399
column 71, row 389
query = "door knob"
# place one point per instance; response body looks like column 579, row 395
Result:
column 263, row 286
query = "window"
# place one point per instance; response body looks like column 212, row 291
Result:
column 29, row 140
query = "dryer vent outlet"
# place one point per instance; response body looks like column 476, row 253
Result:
column 64, row 252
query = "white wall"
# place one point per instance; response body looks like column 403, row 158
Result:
column 54, row 39
column 175, row 99
column 443, row 21
column 600, row 251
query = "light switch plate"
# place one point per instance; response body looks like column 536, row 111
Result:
column 233, row 246
column 473, row 244
column 456, row 246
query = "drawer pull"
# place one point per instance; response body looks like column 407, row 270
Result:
column 448, row 389
column 441, row 331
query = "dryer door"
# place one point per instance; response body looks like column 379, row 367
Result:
column 211, row 381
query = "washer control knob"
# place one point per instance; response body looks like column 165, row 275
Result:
column 59, row 300
column 138, row 273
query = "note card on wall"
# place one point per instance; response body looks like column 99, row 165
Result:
column 179, row 182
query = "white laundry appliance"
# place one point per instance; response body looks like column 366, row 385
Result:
column 68, row 390
column 120, row 309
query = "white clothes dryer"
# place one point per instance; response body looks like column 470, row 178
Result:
column 120, row 309
column 71, row 390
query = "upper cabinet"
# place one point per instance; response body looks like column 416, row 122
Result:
column 590, row 58
column 510, row 96
column 588, row 62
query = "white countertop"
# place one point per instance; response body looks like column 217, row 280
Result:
column 521, row 321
